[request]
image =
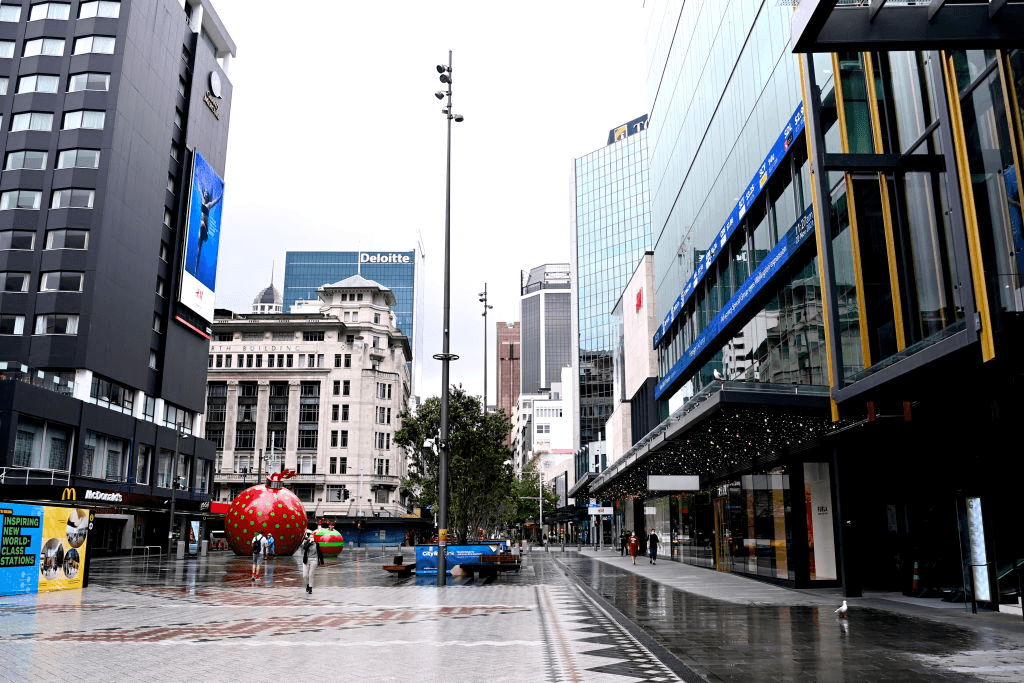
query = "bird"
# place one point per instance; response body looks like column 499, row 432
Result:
column 841, row 610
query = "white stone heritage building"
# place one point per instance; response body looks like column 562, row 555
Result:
column 318, row 392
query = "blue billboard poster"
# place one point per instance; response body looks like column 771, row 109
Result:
column 22, row 528
column 426, row 555
column 202, row 238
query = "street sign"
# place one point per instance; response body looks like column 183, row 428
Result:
column 600, row 510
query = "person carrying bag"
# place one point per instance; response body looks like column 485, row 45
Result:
column 312, row 557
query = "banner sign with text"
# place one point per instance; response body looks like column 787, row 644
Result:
column 426, row 555
column 42, row 548
column 794, row 127
column 728, row 319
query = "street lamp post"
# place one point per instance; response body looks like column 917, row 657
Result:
column 445, row 356
column 483, row 298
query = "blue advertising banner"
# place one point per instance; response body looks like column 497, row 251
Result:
column 723, row 326
column 794, row 127
column 22, row 527
column 202, row 238
column 426, row 555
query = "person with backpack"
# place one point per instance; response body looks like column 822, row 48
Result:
column 312, row 557
column 259, row 554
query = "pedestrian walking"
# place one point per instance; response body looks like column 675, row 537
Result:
column 623, row 540
column 652, row 546
column 259, row 554
column 634, row 546
column 270, row 544
column 312, row 557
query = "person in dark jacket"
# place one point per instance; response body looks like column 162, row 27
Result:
column 623, row 539
column 312, row 557
column 652, row 545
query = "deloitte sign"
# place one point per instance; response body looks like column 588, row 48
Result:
column 367, row 257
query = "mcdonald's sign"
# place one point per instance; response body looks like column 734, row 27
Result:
column 69, row 494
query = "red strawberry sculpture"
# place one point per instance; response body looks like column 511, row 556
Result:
column 269, row 508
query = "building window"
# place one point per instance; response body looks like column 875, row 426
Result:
column 350, row 339
column 348, row 360
column 106, row 9
column 112, row 395
column 88, row 81
column 334, row 439
column 382, row 466
column 337, row 360
column 158, row 324
column 175, row 417
column 343, row 443
column 56, row 323
column 10, row 13
column 336, row 494
column 79, row 158
column 336, row 388
column 26, row 160
column 334, row 412
column 245, row 438
column 153, row 362
column 61, row 281
column 50, row 10
column 376, row 318
column 344, row 412
column 17, row 239
column 104, row 457
column 307, row 437
column 382, row 496
column 91, row 119
column 143, row 456
column 67, row 239
column 383, row 390
column 51, row 47
column 216, row 412
column 7, row 48
column 103, row 45
column 20, row 199
column 73, row 198
column 32, row 120
column 3, row 84
column 313, row 336
column 12, row 324
column 38, row 83
column 346, row 387
column 161, row 287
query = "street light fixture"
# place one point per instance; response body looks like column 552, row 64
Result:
column 483, row 299
column 445, row 356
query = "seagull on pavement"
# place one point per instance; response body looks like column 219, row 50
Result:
column 841, row 610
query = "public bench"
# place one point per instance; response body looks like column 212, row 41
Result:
column 399, row 567
column 490, row 565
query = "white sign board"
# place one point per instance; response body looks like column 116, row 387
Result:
column 650, row 511
column 673, row 482
column 601, row 511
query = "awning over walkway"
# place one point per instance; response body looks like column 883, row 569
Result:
column 725, row 430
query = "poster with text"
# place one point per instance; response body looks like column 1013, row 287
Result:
column 64, row 538
column 202, row 238
column 42, row 548
column 19, row 548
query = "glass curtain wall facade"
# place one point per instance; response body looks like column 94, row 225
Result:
column 612, row 233
column 546, row 340
column 715, row 234
column 306, row 271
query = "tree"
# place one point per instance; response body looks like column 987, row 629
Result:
column 525, row 493
column 480, row 476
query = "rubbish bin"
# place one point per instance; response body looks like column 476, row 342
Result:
column 206, row 548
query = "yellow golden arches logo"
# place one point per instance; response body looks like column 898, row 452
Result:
column 69, row 494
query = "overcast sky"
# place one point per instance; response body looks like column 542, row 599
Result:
column 337, row 143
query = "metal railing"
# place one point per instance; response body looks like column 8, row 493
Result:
column 34, row 475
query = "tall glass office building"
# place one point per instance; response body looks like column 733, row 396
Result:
column 612, row 230
column 306, row 271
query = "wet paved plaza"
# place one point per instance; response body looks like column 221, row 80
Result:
column 566, row 617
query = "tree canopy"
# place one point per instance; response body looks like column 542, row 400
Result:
column 481, row 480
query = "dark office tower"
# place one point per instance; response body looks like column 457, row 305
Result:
column 612, row 230
column 114, row 131
column 545, row 341
column 508, row 357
